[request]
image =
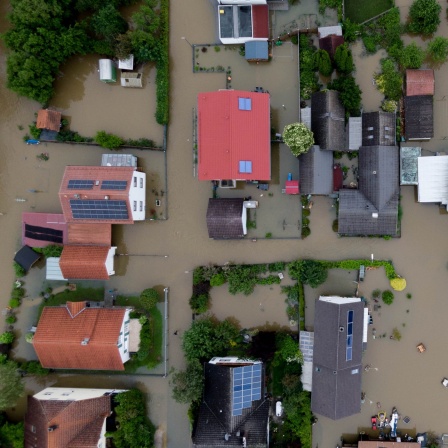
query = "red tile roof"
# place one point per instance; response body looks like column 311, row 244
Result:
column 96, row 174
column 77, row 424
column 52, row 221
column 84, row 262
column 227, row 135
column 420, row 82
column 49, row 119
column 58, row 338
column 260, row 21
column 292, row 187
column 86, row 233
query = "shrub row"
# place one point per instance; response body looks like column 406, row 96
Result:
column 163, row 67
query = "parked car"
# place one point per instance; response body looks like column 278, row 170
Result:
column 374, row 423
column 278, row 409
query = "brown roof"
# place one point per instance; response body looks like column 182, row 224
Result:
column 77, row 424
column 59, row 336
column 84, row 262
column 49, row 119
column 260, row 19
column 87, row 233
column 419, row 82
column 96, row 174
column 330, row 43
column 388, row 444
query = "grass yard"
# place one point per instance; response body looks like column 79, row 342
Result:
column 359, row 12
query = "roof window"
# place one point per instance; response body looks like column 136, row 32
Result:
column 244, row 103
column 245, row 166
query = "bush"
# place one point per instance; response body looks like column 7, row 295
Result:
column 306, row 231
column 369, row 44
column 198, row 275
column 218, row 280
column 306, row 212
column 298, row 137
column 438, row 49
column 7, row 337
column 17, row 293
column 335, row 226
column 149, row 298
column 109, row 141
column 29, row 337
column 389, row 106
column 14, row 303
column 323, row 62
column 376, row 293
column 424, row 17
column 52, row 251
column 199, row 303
column 349, row 93
column 310, row 272
column 343, row 59
column 396, row 334
column 350, row 30
column 412, row 56
column 295, row 39
column 35, row 131
column 11, row 319
column 409, row 295
column 388, row 297
column 389, row 81
column 398, row 284
column 35, row 368
column 19, row 271
column 279, row 266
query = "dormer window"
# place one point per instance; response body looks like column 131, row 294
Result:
column 244, row 103
column 245, row 166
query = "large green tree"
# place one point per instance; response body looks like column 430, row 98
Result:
column 438, row 49
column 424, row 17
column 11, row 434
column 349, row 93
column 390, row 80
column 343, row 59
column 412, row 56
column 298, row 137
column 323, row 62
column 187, row 385
column 11, row 384
column 108, row 23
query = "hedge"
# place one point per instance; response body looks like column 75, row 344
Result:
column 163, row 67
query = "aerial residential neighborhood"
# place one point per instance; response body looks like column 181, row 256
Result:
column 223, row 224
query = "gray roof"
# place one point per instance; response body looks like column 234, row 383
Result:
column 373, row 208
column 378, row 128
column 328, row 120
column 224, row 218
column 256, row 49
column 215, row 418
column 316, row 171
column 354, row 133
column 336, row 382
column 419, row 119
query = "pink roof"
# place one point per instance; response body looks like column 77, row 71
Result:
column 419, row 82
column 292, row 187
column 234, row 143
column 43, row 229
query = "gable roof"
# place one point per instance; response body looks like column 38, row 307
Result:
column 26, row 257
column 94, row 195
column 49, row 119
column 336, row 386
column 330, row 43
column 378, row 128
column 418, row 117
column 420, row 82
column 328, row 120
column 373, row 208
column 84, row 262
column 225, row 218
column 228, row 135
column 316, row 171
column 61, row 330
column 215, row 418
column 78, row 424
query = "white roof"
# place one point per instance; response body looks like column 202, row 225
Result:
column 126, row 64
column 53, row 270
column 339, row 300
column 433, row 179
column 325, row 31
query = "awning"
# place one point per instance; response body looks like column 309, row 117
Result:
column 292, row 187
column 26, row 257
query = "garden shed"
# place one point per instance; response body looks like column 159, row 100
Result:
column 26, row 257
column 131, row 79
column 126, row 64
column 108, row 72
column 257, row 51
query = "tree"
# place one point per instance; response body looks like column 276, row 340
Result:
column 298, row 137
column 343, row 59
column 109, row 141
column 388, row 297
column 389, row 105
column 207, row 338
column 287, row 350
column 11, row 434
column 323, row 62
column 310, row 272
column 438, row 49
column 149, row 298
column 108, row 23
column 350, row 30
column 349, row 93
column 199, row 303
column 7, row 337
column 389, row 81
column 424, row 17
column 398, row 284
column 11, row 385
column 412, row 56
column 187, row 385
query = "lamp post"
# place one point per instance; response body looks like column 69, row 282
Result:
column 187, row 41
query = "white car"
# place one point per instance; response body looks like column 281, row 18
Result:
column 445, row 382
column 278, row 409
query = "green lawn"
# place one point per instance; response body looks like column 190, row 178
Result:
column 359, row 12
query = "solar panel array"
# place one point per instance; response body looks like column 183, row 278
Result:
column 246, row 387
column 81, row 184
column 114, row 185
column 98, row 209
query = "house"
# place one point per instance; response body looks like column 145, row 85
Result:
column 418, row 117
column 234, row 410
column 316, row 171
column 49, row 119
column 330, row 43
column 226, row 218
column 420, row 82
column 337, row 356
column 240, row 21
column 80, row 335
column 328, row 120
column 433, row 179
column 103, row 194
column 234, row 135
column 69, row 417
column 378, row 129
column 372, row 209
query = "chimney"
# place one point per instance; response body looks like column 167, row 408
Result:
column 52, row 428
column 85, row 341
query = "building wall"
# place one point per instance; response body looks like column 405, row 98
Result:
column 123, row 339
column 137, row 196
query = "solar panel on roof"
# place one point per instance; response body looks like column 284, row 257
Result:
column 99, row 209
column 246, row 387
column 114, row 185
column 80, row 184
